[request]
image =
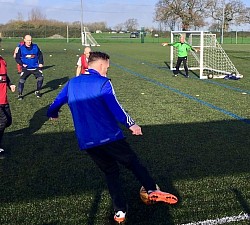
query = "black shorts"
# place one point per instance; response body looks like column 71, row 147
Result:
column 27, row 72
column 5, row 116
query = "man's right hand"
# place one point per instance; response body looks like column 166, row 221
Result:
column 136, row 130
column 13, row 87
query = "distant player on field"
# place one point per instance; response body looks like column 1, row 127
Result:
column 30, row 58
column 82, row 63
column 182, row 48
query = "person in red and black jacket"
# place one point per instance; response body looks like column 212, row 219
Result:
column 5, row 113
column 19, row 67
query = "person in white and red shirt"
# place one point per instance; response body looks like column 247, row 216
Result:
column 82, row 63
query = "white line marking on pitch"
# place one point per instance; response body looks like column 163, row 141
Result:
column 223, row 220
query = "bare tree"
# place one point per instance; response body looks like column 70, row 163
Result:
column 97, row 26
column 232, row 12
column 215, row 27
column 245, row 16
column 188, row 12
column 131, row 24
column 36, row 15
column 119, row 27
column 19, row 16
column 172, row 21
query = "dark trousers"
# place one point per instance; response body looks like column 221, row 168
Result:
column 5, row 119
column 107, row 158
column 178, row 64
column 25, row 74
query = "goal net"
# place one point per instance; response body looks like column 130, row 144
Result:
column 87, row 38
column 211, row 60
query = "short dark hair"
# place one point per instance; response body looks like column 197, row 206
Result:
column 97, row 55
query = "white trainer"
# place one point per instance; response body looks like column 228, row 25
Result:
column 120, row 216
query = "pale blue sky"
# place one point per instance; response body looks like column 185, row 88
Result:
column 112, row 12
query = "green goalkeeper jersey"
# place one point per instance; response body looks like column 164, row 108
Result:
column 183, row 48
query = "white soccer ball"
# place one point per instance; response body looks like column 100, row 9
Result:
column 210, row 76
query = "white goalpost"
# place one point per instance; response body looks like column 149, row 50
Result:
column 87, row 38
column 211, row 61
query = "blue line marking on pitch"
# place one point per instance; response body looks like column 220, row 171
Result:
column 184, row 94
column 210, row 81
column 226, row 86
column 207, row 81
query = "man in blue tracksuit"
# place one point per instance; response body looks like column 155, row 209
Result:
column 95, row 111
column 30, row 58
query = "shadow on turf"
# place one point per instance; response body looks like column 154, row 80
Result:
column 181, row 73
column 55, row 84
column 47, row 67
column 51, row 86
column 50, row 165
column 35, row 123
column 243, row 202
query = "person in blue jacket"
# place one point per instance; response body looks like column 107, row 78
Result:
column 96, row 112
column 30, row 58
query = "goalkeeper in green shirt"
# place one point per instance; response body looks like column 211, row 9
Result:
column 183, row 49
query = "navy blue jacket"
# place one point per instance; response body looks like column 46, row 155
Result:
column 94, row 108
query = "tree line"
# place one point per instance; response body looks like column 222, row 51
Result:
column 170, row 14
column 195, row 14
column 38, row 26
